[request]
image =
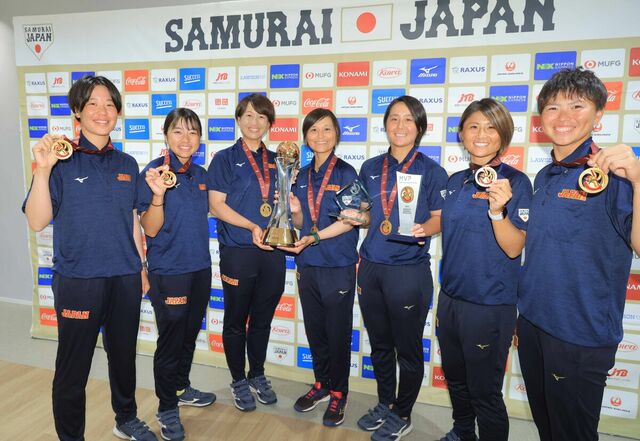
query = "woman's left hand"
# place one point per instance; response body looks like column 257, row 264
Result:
column 299, row 245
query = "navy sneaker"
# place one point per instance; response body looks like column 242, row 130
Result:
column 453, row 436
column 135, row 430
column 310, row 401
column 262, row 388
column 242, row 396
column 334, row 415
column 170, row 427
column 374, row 418
column 193, row 397
column 393, row 429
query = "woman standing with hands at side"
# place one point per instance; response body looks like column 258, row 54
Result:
column 241, row 183
column 175, row 222
column 483, row 233
column 395, row 286
column 326, row 262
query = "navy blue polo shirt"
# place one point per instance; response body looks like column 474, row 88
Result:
column 182, row 244
column 474, row 267
column 337, row 251
column 230, row 172
column 376, row 248
column 93, row 198
column 578, row 256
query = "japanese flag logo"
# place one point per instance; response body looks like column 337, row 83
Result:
column 367, row 23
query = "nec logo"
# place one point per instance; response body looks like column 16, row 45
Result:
column 353, row 129
column 221, row 129
column 135, row 128
column 381, row 98
column 452, row 129
column 433, row 152
column 305, row 360
column 284, row 129
column 162, row 104
column 59, row 105
column 355, row 340
column 367, row 368
column 514, row 98
column 45, row 276
column 426, row 350
column 428, row 70
column 213, row 228
column 75, row 76
column 353, row 74
column 284, row 76
column 548, row 63
column 192, row 78
column 38, row 127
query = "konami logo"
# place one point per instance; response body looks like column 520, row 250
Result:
column 286, row 308
column 437, row 379
column 353, row 74
column 316, row 99
column 633, row 287
column 136, row 80
column 284, row 129
column 215, row 343
column 634, row 62
column 536, row 134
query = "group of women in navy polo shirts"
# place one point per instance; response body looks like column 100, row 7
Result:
column 577, row 261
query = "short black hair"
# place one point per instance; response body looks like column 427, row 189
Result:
column 182, row 114
column 316, row 115
column 497, row 114
column 81, row 90
column 260, row 104
column 417, row 111
column 574, row 82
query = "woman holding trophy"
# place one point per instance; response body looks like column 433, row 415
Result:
column 484, row 219
column 395, row 285
column 241, row 183
column 173, row 207
column 326, row 262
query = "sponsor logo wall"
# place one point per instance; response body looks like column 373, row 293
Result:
column 360, row 66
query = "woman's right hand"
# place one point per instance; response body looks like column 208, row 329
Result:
column 43, row 152
column 154, row 180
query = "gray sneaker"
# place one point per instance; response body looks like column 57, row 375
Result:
column 393, row 429
column 196, row 398
column 374, row 418
column 453, row 436
column 242, row 397
column 170, row 427
column 262, row 388
column 135, row 430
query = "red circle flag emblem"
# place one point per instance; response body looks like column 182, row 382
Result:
column 366, row 22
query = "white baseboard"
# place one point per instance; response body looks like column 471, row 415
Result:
column 16, row 301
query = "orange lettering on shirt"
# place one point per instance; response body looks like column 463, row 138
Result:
column 73, row 314
column 577, row 195
column 176, row 300
column 202, row 186
column 229, row 280
column 333, row 187
column 480, row 195
column 123, row 177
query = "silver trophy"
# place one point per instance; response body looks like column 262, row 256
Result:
column 280, row 232
column 352, row 196
column 408, row 191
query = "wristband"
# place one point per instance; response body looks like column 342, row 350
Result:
column 316, row 238
column 158, row 205
column 496, row 217
column 145, row 265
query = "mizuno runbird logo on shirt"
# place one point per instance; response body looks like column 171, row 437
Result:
column 81, row 180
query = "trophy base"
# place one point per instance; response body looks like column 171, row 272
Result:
column 396, row 237
column 279, row 237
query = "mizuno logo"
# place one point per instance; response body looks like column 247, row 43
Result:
column 81, row 180
column 239, row 164
column 535, row 190
column 373, row 178
column 408, row 307
column 428, row 70
column 302, row 186
column 557, row 377
column 343, row 292
column 350, row 129
column 481, row 346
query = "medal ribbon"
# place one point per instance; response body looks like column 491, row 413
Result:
column 314, row 209
column 496, row 161
column 183, row 169
column 387, row 205
column 77, row 148
column 263, row 181
column 578, row 161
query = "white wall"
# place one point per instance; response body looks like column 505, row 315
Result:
column 16, row 281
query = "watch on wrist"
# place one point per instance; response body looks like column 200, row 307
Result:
column 496, row 217
column 316, row 238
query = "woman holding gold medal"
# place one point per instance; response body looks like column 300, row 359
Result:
column 326, row 262
column 173, row 207
column 241, row 183
column 484, row 219
column 395, row 285
column 581, row 232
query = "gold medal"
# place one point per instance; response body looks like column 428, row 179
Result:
column 62, row 149
column 386, row 227
column 314, row 228
column 169, row 179
column 265, row 209
column 485, row 176
column 593, row 180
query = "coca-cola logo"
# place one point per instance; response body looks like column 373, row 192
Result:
column 511, row 159
column 284, row 307
column 140, row 80
column 389, row 72
column 47, row 317
column 510, row 66
column 316, row 102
